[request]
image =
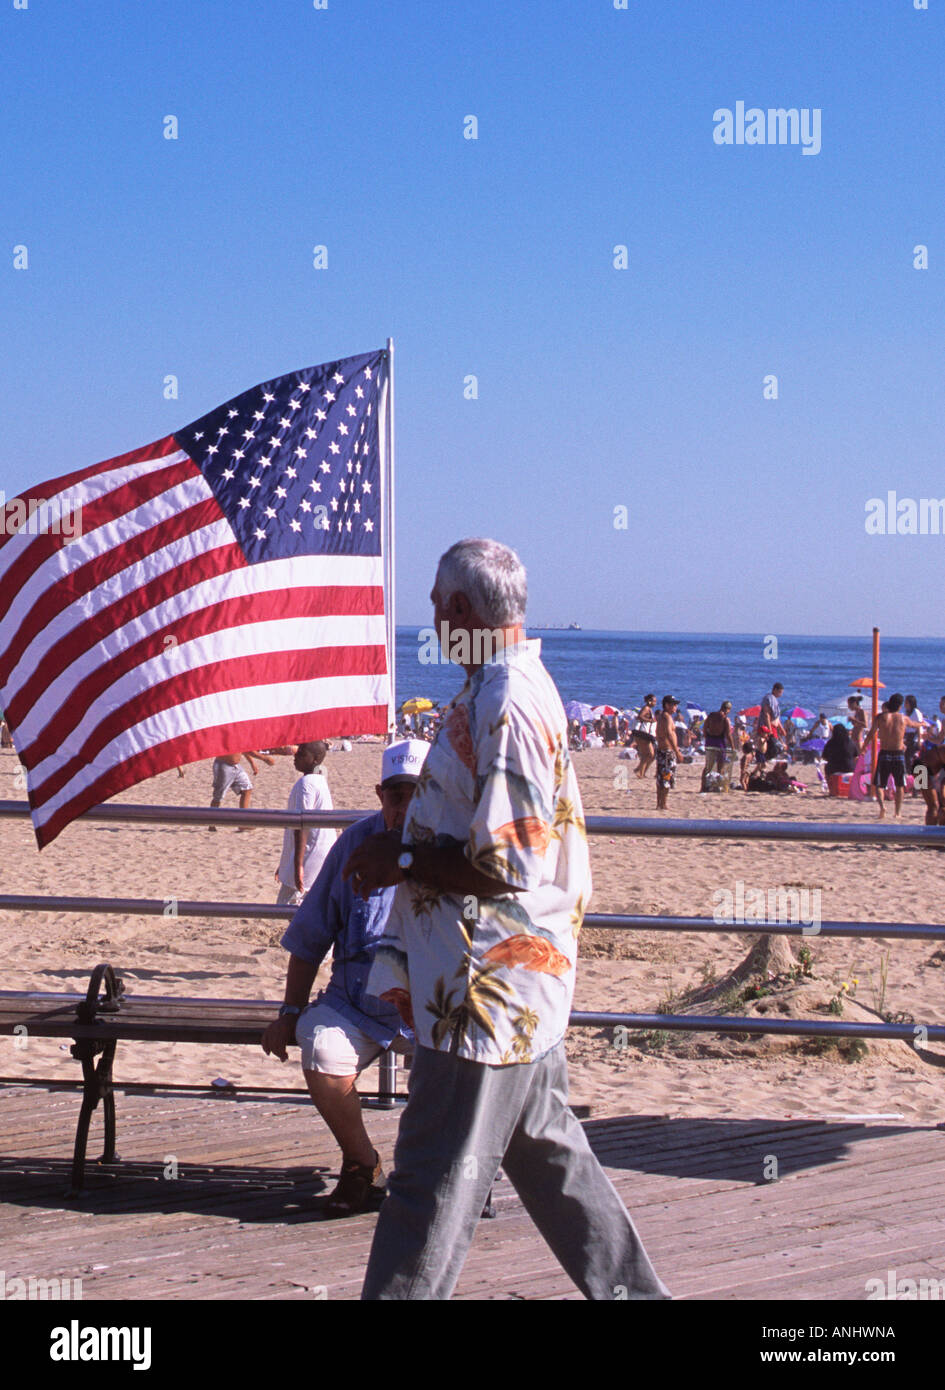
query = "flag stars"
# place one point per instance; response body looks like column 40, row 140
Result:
column 291, row 472
column 231, row 412
column 295, row 405
column 281, row 492
column 275, row 442
column 320, row 415
column 249, row 434
column 300, row 452
column 224, row 429
column 334, row 504
column 328, row 396
column 270, row 512
column 304, row 386
column 265, row 463
column 359, row 392
column 310, row 433
column 342, row 427
column 367, row 373
column 259, row 415
column 351, row 410
column 335, row 448
column 260, row 535
column 316, row 486
column 339, row 378
column 365, row 486
column 244, row 502
column 214, row 449
column 306, row 505
column 268, row 396
column 295, row 525
column 228, row 473
column 285, row 422
column 255, row 482
column 368, row 524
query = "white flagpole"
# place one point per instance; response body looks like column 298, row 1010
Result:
column 389, row 549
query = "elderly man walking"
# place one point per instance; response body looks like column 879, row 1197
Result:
column 493, row 879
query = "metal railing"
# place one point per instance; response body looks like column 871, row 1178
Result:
column 925, row 837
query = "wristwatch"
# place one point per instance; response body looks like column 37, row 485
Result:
column 289, row 1010
column 405, row 862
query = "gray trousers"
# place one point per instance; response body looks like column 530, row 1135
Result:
column 461, row 1121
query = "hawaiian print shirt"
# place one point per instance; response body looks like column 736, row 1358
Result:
column 491, row 979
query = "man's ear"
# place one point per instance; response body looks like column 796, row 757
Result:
column 459, row 609
column 379, row 790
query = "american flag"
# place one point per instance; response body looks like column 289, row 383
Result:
column 217, row 591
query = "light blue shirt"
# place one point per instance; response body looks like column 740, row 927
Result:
column 333, row 915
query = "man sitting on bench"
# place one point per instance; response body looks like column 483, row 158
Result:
column 345, row 1029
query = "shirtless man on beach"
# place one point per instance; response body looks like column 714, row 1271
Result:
column 667, row 751
column 719, row 741
column 890, row 726
column 228, row 774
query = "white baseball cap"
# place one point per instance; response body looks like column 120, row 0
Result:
column 402, row 761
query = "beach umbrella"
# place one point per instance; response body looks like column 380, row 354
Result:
column 799, row 713
column 416, row 705
column 603, row 711
column 694, row 712
column 866, row 682
column 753, row 711
column 575, row 709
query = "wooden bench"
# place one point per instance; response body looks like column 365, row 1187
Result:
column 105, row 1015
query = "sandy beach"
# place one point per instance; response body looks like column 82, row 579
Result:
column 638, row 971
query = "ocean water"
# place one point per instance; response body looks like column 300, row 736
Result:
column 619, row 668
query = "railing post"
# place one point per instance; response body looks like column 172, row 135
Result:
column 387, row 1079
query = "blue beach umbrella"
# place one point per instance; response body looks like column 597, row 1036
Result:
column 574, row 709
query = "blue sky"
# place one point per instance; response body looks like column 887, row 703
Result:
column 598, row 387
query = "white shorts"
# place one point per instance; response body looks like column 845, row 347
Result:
column 289, row 897
column 334, row 1046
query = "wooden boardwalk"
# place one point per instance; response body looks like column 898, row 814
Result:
column 850, row 1201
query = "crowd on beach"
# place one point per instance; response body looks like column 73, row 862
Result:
column 754, row 749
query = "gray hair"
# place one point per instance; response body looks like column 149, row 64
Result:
column 490, row 575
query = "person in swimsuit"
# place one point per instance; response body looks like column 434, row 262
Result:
column 644, row 734
column 667, row 752
column 719, row 739
column 890, row 726
column 858, row 718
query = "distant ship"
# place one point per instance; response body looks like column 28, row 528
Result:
column 554, row 627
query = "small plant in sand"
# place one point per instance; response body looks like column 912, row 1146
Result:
column 879, row 995
column 840, row 1049
column 847, row 990
column 805, row 963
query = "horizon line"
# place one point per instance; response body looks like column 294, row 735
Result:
column 689, row 632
